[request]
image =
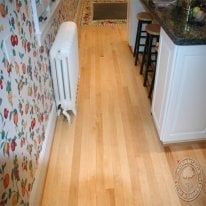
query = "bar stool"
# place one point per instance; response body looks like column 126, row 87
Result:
column 143, row 18
column 153, row 33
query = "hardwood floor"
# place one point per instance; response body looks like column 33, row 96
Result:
column 111, row 154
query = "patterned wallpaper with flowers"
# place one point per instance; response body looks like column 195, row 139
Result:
column 26, row 97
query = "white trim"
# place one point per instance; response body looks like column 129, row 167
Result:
column 38, row 186
column 41, row 28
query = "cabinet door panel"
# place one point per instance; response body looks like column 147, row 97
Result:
column 189, row 109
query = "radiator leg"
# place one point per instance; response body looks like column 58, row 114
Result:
column 59, row 109
column 74, row 112
column 67, row 116
column 58, row 112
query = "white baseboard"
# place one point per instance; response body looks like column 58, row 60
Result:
column 38, row 186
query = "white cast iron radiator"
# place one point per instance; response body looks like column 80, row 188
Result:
column 64, row 60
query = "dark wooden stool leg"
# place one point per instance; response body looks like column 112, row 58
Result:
column 137, row 35
column 144, row 54
column 138, row 42
column 148, row 58
column 152, row 84
column 153, row 77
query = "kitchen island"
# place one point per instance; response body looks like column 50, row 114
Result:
column 179, row 98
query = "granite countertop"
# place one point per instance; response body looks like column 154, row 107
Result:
column 173, row 21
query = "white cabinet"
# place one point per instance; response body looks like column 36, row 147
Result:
column 179, row 99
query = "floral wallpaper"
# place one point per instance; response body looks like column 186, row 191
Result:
column 26, row 96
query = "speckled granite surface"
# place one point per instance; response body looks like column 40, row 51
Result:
column 173, row 21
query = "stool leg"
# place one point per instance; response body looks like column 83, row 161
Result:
column 137, row 33
column 138, row 42
column 153, row 77
column 144, row 54
column 152, row 84
column 148, row 59
column 135, row 47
